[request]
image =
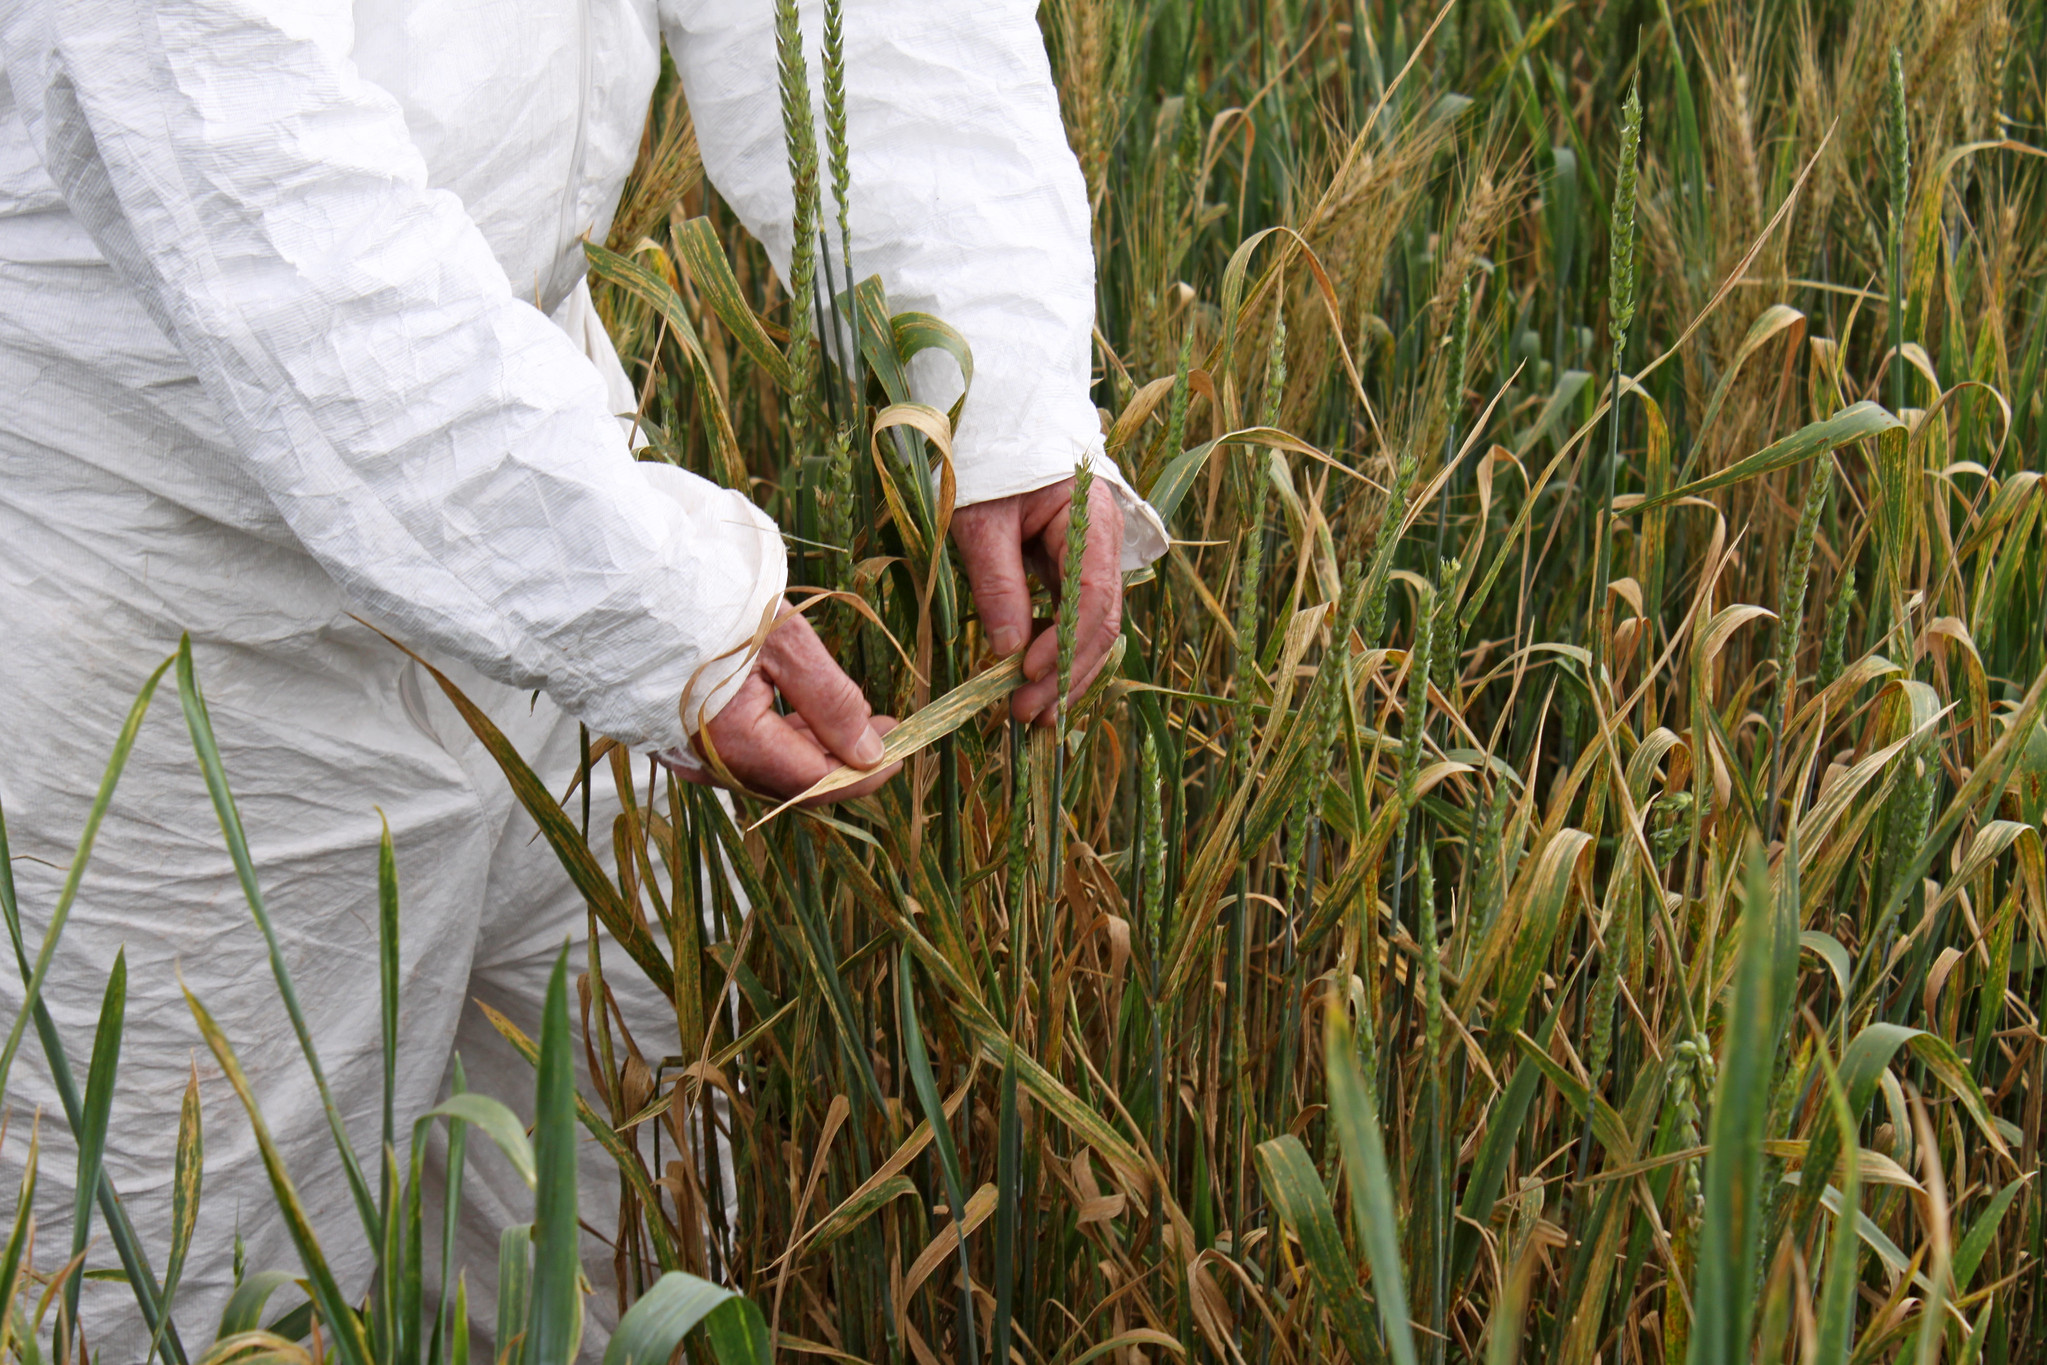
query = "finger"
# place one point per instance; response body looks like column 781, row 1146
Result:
column 769, row 755
column 1043, row 654
column 756, row 695
column 1042, row 659
column 1100, row 576
column 775, row 754
column 1100, row 614
column 817, row 689
column 882, row 725
column 1101, row 587
column 866, row 785
column 989, row 538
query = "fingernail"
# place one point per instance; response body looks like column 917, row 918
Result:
column 868, row 751
column 1006, row 639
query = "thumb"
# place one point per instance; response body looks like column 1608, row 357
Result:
column 989, row 538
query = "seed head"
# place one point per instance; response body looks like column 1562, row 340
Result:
column 836, row 150
column 1432, row 957
column 1176, row 407
column 1153, row 841
column 1246, row 622
column 1275, row 368
column 1385, row 541
column 799, row 134
column 1069, row 582
column 1621, row 284
column 1900, row 167
column 1835, row 647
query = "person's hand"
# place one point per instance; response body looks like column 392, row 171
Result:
column 998, row 540
column 829, row 722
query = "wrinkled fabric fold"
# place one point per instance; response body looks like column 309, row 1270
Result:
column 441, row 450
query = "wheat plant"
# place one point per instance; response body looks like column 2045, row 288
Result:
column 1554, row 869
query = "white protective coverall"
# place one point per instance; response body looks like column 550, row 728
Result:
column 269, row 356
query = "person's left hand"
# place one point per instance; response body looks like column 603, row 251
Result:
column 828, row 722
column 997, row 541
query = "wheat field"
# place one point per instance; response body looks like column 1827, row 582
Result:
column 1555, row 870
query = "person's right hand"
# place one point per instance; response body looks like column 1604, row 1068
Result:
column 828, row 722
column 999, row 540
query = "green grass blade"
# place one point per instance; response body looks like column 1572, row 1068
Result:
column 393, row 1268
column 916, row 332
column 738, row 1333
column 31, row 1000
column 1863, row 1064
column 134, row 1262
column 200, row 724
column 859, row 1206
column 294, row 1324
column 2028, row 782
column 1976, row 1241
column 495, row 1120
column 877, row 340
column 91, row 1134
column 1607, row 1124
column 1009, row 1191
column 941, row 1132
column 607, row 1137
column 14, row 1256
column 458, row 1348
column 561, row 835
column 703, row 255
column 390, row 1267
column 555, row 1323
column 653, row 1329
column 1354, row 1117
column 187, row 1173
column 387, row 975
column 656, row 293
column 1836, row 1321
column 411, row 1284
column 1295, row 1189
column 350, row 1344
column 515, row 1284
column 1723, row 1301
column 1843, row 1265
column 451, row 1210
column 1170, row 488
column 1547, row 913
column 244, row 1309
column 1856, row 423
column 23, row 1336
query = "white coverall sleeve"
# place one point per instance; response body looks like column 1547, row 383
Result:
column 966, row 201
column 436, row 444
